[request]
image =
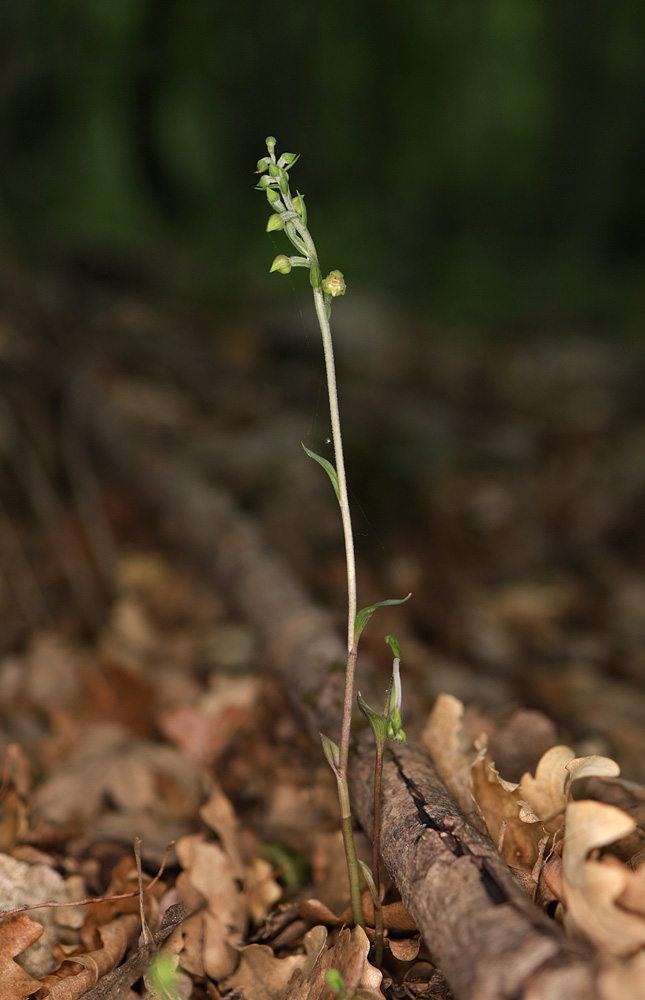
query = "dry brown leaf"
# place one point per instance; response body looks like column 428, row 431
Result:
column 125, row 786
column 262, row 889
column 17, row 933
column 593, row 887
column 213, row 934
column 316, row 912
column 80, row 973
column 262, row 976
column 500, row 803
column 21, row 883
column 443, row 738
column 348, row 957
column 219, row 815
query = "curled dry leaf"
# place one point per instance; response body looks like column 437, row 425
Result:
column 81, row 972
column 544, row 794
column 593, row 887
column 17, row 933
column 593, row 766
column 499, row 802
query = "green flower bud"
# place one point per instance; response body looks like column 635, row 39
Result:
column 273, row 196
column 281, row 264
column 263, row 183
column 334, row 284
column 331, row 752
column 274, row 170
column 284, row 182
column 263, row 164
column 274, row 224
column 270, row 142
column 299, row 205
column 288, row 159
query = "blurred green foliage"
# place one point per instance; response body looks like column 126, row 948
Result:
column 485, row 158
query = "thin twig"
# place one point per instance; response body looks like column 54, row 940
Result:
column 95, row 899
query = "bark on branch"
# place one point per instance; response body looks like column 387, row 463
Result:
column 484, row 933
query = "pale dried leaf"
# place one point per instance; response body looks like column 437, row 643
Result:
column 623, row 980
column 593, row 766
column 452, row 756
column 544, row 794
column 593, row 887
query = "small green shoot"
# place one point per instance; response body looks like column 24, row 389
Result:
column 334, row 980
column 163, row 978
column 384, row 727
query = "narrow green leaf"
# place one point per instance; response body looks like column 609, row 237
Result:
column 331, row 752
column 365, row 614
column 331, row 472
column 378, row 722
column 369, row 878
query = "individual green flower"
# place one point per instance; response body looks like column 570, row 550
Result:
column 334, row 284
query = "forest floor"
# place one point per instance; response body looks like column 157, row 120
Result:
column 501, row 482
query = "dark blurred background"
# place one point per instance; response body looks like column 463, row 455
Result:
column 484, row 160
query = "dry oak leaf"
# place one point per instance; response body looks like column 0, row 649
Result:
column 213, row 933
column 593, row 887
column 348, row 956
column 17, row 933
column 262, row 976
column 499, row 803
column 544, row 798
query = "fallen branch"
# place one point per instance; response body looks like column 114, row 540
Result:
column 482, row 930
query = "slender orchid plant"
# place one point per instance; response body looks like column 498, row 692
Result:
column 290, row 216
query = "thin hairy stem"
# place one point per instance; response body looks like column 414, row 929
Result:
column 376, row 841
